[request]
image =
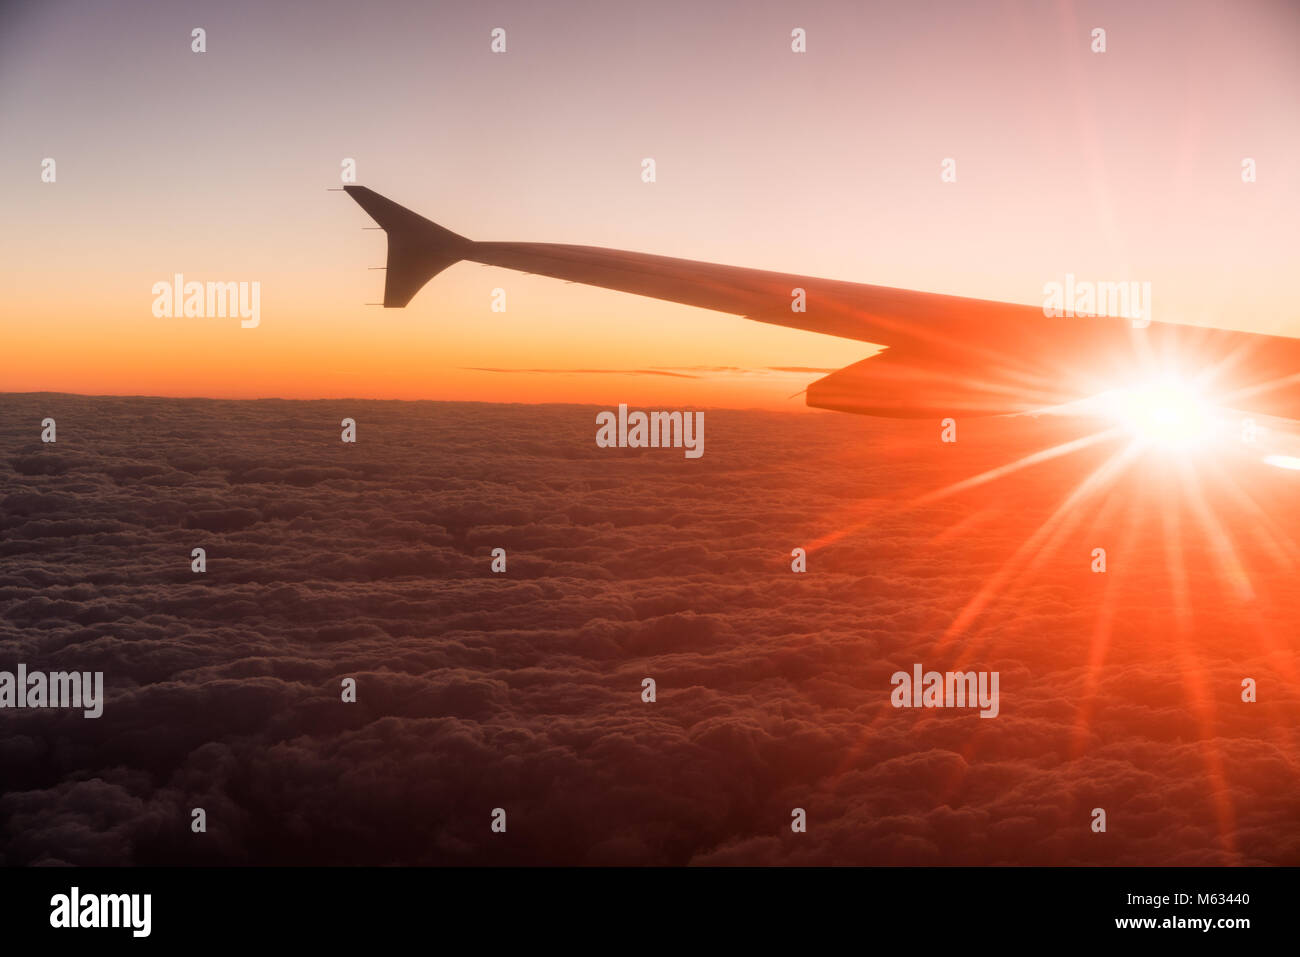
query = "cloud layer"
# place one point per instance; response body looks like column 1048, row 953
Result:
column 523, row 690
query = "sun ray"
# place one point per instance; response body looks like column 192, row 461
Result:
column 1098, row 478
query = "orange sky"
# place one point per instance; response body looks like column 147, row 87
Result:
column 1123, row 165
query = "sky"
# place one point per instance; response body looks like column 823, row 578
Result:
column 1117, row 165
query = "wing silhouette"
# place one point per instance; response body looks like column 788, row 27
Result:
column 944, row 355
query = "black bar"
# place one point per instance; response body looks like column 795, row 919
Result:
column 661, row 907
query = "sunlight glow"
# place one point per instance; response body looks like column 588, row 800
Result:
column 1167, row 414
column 1199, row 501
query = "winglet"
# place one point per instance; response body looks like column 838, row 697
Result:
column 417, row 249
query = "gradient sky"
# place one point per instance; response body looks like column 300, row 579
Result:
column 1124, row 165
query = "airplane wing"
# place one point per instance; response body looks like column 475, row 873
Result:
column 944, row 355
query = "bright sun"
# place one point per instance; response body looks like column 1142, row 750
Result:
column 1174, row 417
column 1166, row 414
